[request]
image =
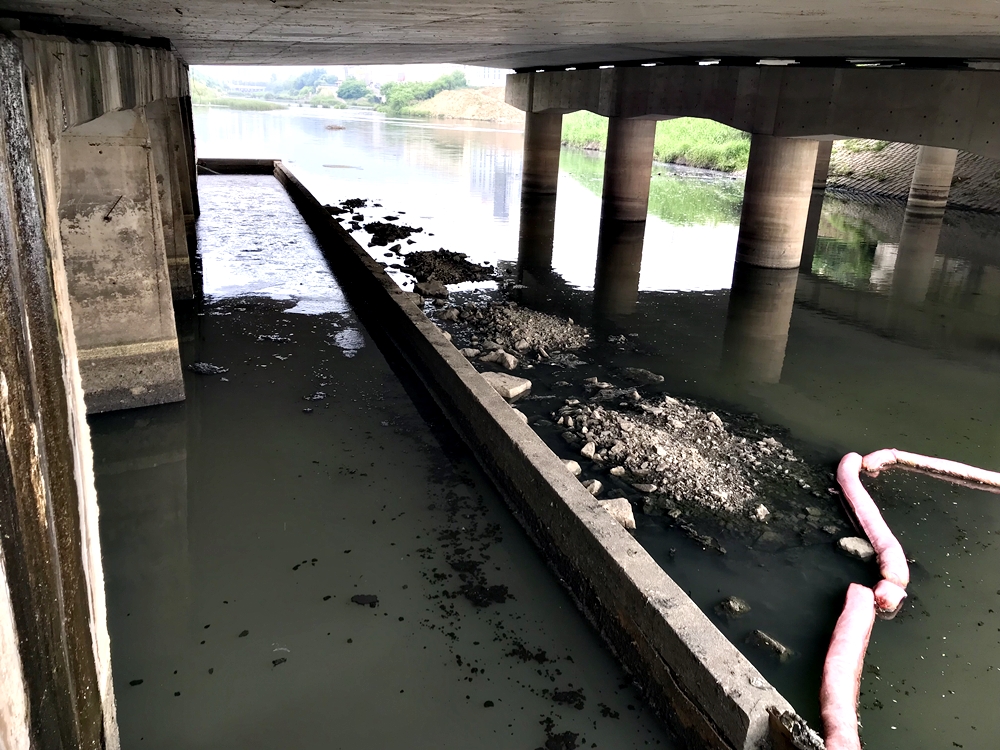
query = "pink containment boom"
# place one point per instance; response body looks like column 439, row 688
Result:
column 892, row 561
column 838, row 698
column 883, row 459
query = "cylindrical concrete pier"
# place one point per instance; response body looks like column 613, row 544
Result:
column 628, row 165
column 931, row 180
column 776, row 198
column 539, row 179
column 824, row 150
column 757, row 322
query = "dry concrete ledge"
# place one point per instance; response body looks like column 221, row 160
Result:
column 708, row 692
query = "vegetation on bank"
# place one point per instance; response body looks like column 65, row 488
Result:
column 686, row 140
column 400, row 96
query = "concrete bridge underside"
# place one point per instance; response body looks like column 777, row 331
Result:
column 525, row 33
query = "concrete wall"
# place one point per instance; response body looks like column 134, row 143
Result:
column 55, row 685
column 103, row 206
column 948, row 108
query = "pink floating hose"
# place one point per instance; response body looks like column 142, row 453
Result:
column 891, row 560
column 842, row 669
column 845, row 658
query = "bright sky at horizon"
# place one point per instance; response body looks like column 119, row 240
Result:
column 367, row 73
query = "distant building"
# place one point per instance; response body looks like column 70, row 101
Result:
column 327, row 89
column 479, row 76
column 247, row 87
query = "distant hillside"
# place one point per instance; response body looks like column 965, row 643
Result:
column 469, row 104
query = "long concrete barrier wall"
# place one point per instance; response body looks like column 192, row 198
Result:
column 706, row 689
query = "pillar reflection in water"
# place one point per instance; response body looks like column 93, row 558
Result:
column 760, row 312
column 539, row 180
column 619, row 260
column 824, row 150
column 141, row 474
column 922, row 222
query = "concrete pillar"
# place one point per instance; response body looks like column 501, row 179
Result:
column 628, row 166
column 757, row 322
column 824, row 150
column 776, row 199
column 539, row 178
column 112, row 239
column 166, row 140
column 191, row 206
column 55, row 664
column 931, row 180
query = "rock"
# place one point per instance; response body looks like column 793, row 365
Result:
column 857, row 547
column 762, row 640
column 523, row 417
column 617, row 471
column 440, row 303
column 521, row 345
column 621, row 510
column 450, row 314
column 431, row 288
column 769, row 541
column 588, row 450
column 572, row 467
column 590, row 381
column 761, row 513
column 502, row 358
column 716, row 420
column 508, row 386
column 593, row 486
column 646, row 489
column 416, row 299
column 446, row 335
column 470, row 353
column 204, row 368
column 639, row 375
column 369, row 600
column 732, row 607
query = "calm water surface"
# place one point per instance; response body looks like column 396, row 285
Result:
column 892, row 341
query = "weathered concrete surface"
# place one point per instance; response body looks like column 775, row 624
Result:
column 931, row 183
column 526, row 33
column 776, row 198
column 116, row 265
column 948, row 108
column 163, row 121
column 55, row 663
column 691, row 673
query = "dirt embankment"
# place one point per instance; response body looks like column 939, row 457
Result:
column 470, row 104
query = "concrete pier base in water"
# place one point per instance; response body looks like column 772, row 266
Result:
column 116, row 262
column 539, row 179
column 931, row 180
column 776, row 198
column 760, row 312
column 628, row 165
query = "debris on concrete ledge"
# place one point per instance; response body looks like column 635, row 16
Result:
column 508, row 386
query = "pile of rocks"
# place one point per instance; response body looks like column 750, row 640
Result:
column 445, row 266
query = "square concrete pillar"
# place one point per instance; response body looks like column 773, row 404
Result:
column 166, row 140
column 116, row 264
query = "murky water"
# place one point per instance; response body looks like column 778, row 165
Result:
column 300, row 553
column 892, row 341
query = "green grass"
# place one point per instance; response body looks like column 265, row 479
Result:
column 677, row 201
column 686, row 140
column 253, row 105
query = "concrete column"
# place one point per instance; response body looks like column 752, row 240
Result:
column 166, row 140
column 539, row 177
column 820, row 176
column 776, row 199
column 931, row 180
column 760, row 312
column 186, row 115
column 113, row 247
column 55, row 669
column 628, row 166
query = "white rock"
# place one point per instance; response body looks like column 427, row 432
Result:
column 621, row 510
column 761, row 513
column 572, row 467
column 502, row 358
column 593, row 486
column 450, row 314
column 857, row 547
column 521, row 345
column 588, row 450
column 617, row 471
column 470, row 353
column 508, row 386
column 645, row 488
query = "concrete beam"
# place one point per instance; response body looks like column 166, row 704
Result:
column 116, row 264
column 948, row 108
column 55, row 661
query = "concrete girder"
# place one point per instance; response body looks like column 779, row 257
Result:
column 957, row 109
